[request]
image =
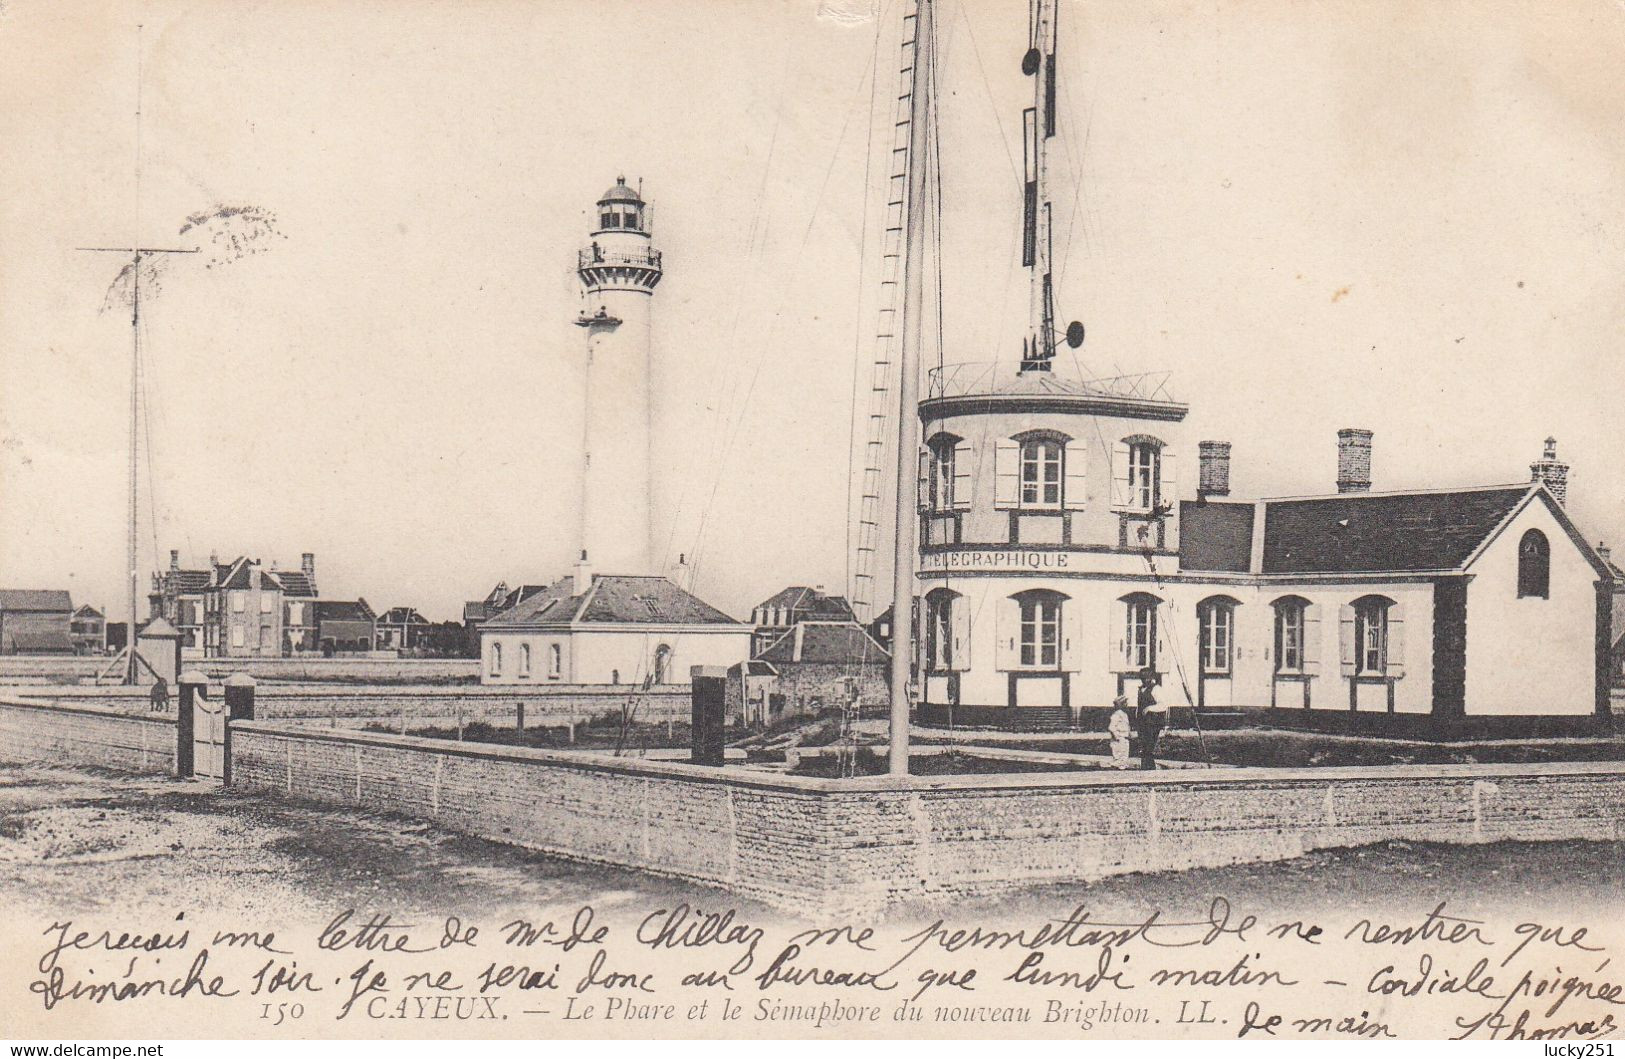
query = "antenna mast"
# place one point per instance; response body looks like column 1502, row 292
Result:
column 131, row 659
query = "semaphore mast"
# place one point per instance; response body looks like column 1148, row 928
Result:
column 921, row 111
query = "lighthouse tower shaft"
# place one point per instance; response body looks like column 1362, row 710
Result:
column 619, row 270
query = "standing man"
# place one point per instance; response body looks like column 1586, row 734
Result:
column 1153, row 716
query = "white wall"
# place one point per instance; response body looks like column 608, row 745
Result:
column 596, row 656
column 1531, row 655
column 1096, row 630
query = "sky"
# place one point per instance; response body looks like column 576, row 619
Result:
column 1392, row 215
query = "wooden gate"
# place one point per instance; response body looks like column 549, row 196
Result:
column 209, row 740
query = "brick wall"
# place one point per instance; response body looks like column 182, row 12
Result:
column 33, row 732
column 842, row 846
column 374, row 670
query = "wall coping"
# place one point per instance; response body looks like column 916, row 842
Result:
column 267, row 688
column 740, row 777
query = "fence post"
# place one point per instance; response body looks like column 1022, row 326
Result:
column 520, row 723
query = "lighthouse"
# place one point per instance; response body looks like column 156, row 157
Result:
column 619, row 269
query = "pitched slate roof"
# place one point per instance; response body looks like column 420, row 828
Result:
column 295, row 582
column 1215, row 536
column 811, row 601
column 402, row 616
column 613, row 598
column 1372, row 532
column 646, row 600
column 343, row 610
column 183, row 581
column 1350, row 533
column 35, row 599
column 834, row 642
column 87, row 611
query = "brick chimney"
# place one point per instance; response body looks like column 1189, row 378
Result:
column 1551, row 472
column 307, row 563
column 1604, row 552
column 1353, row 460
column 1213, row 469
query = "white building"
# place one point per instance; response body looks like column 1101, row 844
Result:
column 1060, row 557
column 609, row 629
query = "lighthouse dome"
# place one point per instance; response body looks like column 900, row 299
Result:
column 620, row 193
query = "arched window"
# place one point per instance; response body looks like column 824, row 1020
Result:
column 524, row 659
column 1371, row 636
column 939, row 630
column 1140, row 631
column 1291, row 640
column 662, row 663
column 614, row 676
column 1041, row 472
column 1216, row 620
column 1534, row 565
column 555, row 661
column 1039, row 633
column 496, row 659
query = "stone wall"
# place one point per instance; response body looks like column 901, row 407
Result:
column 35, row 732
column 831, row 847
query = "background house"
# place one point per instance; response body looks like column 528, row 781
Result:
column 815, row 665
column 88, row 630
column 240, row 609
column 783, row 610
column 401, row 629
column 343, row 626
column 35, row 621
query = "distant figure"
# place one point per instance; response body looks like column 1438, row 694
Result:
column 1153, row 716
column 1118, row 729
column 160, row 696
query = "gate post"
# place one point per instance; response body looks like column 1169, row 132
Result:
column 708, row 689
column 239, row 707
column 192, row 685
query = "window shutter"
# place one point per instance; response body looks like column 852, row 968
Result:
column 1345, row 638
column 1311, row 638
column 1007, row 624
column 1006, row 473
column 1075, row 490
column 1162, row 618
column 1120, row 490
column 1117, row 637
column 963, row 454
column 1396, row 641
column 1071, row 635
column 923, row 486
column 960, row 616
column 1168, row 488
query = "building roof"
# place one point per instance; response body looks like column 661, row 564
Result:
column 87, row 611
column 1352, row 533
column 613, row 598
column 1216, row 536
column 475, row 610
column 295, row 583
column 801, row 598
column 186, row 581
column 834, row 642
column 402, row 616
column 646, row 600
column 35, row 599
column 342, row 610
